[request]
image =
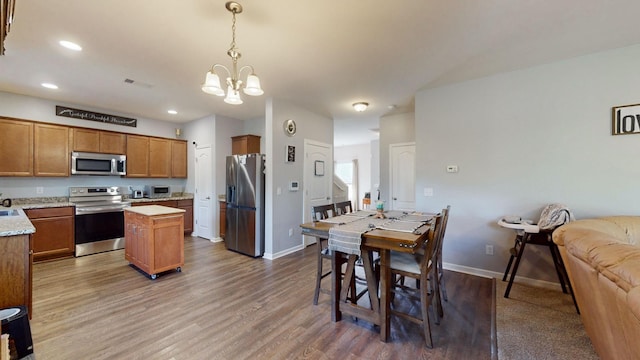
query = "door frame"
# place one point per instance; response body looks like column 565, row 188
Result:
column 196, row 208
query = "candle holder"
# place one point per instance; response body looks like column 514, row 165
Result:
column 379, row 210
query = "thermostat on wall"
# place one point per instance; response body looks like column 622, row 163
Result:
column 294, row 186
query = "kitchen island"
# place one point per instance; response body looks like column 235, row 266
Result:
column 154, row 238
column 16, row 259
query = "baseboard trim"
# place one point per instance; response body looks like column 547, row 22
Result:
column 273, row 256
column 498, row 275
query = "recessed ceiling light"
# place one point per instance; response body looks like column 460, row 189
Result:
column 49, row 86
column 172, row 112
column 70, row 45
column 360, row 106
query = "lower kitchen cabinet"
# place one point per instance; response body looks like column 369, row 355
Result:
column 16, row 263
column 54, row 236
column 154, row 238
column 186, row 205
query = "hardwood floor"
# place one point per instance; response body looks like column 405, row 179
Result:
column 225, row 305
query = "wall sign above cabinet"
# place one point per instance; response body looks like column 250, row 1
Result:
column 94, row 116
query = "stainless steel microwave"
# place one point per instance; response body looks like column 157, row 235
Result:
column 84, row 163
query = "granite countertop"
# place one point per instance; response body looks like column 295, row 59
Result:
column 152, row 210
column 15, row 225
column 173, row 197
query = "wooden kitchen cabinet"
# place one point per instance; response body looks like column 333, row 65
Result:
column 54, row 236
column 186, row 205
column 51, row 150
column 159, row 157
column 137, row 156
column 154, row 238
column 178, row 159
column 223, row 218
column 245, row 144
column 16, row 148
column 91, row 140
column 16, row 272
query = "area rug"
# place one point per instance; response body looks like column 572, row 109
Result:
column 539, row 323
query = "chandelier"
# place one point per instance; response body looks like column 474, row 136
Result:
column 234, row 84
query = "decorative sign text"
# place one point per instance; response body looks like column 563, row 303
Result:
column 625, row 120
column 94, row 116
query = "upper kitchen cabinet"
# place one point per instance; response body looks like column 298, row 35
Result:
column 16, row 148
column 159, row 157
column 154, row 157
column 137, row 156
column 51, row 150
column 245, row 144
column 90, row 140
column 178, row 159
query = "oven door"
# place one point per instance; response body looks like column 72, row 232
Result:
column 98, row 232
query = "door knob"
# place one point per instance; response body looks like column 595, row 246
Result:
column 395, row 198
column 207, row 198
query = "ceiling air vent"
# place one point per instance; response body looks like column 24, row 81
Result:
column 138, row 83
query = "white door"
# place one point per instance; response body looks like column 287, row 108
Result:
column 204, row 193
column 403, row 176
column 318, row 179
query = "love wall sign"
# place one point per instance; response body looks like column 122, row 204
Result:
column 625, row 120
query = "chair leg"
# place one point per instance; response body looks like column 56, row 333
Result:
column 316, row 293
column 515, row 265
column 516, row 246
column 441, row 281
column 424, row 307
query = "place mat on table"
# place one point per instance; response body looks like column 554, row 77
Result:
column 425, row 218
column 402, row 226
column 361, row 213
column 341, row 219
column 347, row 238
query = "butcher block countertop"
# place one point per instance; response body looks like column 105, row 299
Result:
column 153, row 210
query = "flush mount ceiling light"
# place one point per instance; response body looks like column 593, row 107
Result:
column 234, row 84
column 49, row 86
column 360, row 106
column 70, row 45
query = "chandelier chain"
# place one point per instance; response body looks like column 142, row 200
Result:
column 233, row 33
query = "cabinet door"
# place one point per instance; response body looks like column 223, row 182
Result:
column 85, row 140
column 187, row 206
column 113, row 143
column 51, row 150
column 159, row 157
column 178, row 159
column 16, row 148
column 15, row 271
column 137, row 156
column 54, row 236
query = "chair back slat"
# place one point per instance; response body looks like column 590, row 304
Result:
column 343, row 207
column 322, row 212
column 431, row 246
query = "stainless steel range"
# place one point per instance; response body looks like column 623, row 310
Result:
column 99, row 220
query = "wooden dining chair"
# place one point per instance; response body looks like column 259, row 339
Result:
column 343, row 207
column 421, row 268
column 323, row 252
column 442, row 294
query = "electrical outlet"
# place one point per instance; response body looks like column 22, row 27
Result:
column 39, row 190
column 290, row 232
column 488, row 249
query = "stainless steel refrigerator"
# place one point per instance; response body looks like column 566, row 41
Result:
column 244, row 231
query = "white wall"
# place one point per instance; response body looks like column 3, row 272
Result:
column 361, row 152
column 285, row 211
column 522, row 140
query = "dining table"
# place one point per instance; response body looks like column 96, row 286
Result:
column 376, row 239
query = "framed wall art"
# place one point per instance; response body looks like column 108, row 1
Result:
column 290, row 155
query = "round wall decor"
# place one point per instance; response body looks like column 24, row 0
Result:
column 289, row 127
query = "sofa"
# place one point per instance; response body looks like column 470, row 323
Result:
column 602, row 257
